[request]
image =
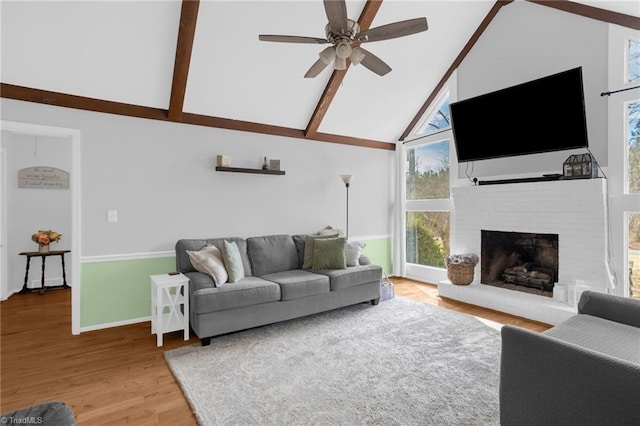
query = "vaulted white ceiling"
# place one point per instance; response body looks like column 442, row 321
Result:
column 125, row 51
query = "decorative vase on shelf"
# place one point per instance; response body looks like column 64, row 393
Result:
column 265, row 164
column 43, row 248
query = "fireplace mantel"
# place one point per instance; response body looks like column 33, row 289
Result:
column 573, row 209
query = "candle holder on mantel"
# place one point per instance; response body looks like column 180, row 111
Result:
column 580, row 166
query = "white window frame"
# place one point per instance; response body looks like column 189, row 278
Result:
column 418, row 272
column 621, row 203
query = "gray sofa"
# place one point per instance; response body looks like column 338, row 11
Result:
column 274, row 288
column 584, row 371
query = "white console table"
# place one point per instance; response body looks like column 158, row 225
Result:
column 169, row 293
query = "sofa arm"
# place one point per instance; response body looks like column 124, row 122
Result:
column 544, row 380
column 619, row 309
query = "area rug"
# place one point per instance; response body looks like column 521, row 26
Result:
column 401, row 362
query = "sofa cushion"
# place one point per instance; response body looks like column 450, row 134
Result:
column 232, row 261
column 329, row 254
column 273, row 253
column 601, row 335
column 183, row 264
column 246, row 292
column 298, row 240
column 344, row 278
column 209, row 261
column 297, row 283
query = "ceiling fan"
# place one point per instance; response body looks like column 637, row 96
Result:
column 345, row 37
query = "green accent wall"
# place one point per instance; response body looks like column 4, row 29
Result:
column 120, row 290
column 380, row 251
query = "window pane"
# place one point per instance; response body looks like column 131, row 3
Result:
column 634, row 60
column 633, row 113
column 428, row 171
column 428, row 238
column 440, row 120
column 634, row 255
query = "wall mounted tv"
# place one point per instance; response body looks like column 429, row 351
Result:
column 542, row 115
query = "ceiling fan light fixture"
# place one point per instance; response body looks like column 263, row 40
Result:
column 357, row 55
column 327, row 55
column 340, row 63
column 343, row 49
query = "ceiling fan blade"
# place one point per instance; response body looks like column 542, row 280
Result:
column 292, row 39
column 315, row 69
column 337, row 14
column 394, row 30
column 374, row 63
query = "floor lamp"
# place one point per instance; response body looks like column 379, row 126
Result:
column 347, row 180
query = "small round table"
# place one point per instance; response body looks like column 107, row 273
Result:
column 44, row 256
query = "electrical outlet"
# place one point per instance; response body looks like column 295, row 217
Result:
column 112, row 216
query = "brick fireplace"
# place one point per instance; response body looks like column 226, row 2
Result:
column 519, row 261
column 573, row 210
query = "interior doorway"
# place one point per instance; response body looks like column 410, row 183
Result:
column 41, row 136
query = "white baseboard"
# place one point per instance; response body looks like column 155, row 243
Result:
column 116, row 324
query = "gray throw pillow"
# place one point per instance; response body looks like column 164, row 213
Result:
column 232, row 261
column 329, row 253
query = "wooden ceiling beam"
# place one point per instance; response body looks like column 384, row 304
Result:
column 593, row 13
column 184, row 47
column 64, row 100
column 47, row 97
column 366, row 19
column 456, row 63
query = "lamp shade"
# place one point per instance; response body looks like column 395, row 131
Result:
column 340, row 63
column 327, row 55
column 343, row 50
column 346, row 179
column 357, row 55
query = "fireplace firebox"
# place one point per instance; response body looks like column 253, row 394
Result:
column 521, row 261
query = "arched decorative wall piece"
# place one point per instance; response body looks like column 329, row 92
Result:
column 43, row 177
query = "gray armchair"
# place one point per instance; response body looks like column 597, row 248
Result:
column 585, row 371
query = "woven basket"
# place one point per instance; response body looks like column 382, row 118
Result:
column 460, row 273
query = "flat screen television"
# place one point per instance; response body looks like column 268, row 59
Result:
column 542, row 115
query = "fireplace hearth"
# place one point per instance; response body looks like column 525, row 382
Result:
column 520, row 261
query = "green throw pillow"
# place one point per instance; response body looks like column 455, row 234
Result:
column 329, row 253
column 232, row 261
column 309, row 244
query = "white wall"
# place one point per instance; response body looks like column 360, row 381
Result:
column 31, row 209
column 527, row 41
column 160, row 178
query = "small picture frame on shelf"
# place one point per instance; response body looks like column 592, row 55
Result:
column 274, row 164
column 223, row 161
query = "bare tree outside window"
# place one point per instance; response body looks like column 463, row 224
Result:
column 634, row 61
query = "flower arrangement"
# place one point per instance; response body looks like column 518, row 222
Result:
column 46, row 237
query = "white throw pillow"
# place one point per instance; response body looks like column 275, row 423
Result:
column 209, row 261
column 354, row 251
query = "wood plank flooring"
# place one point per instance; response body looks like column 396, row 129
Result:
column 118, row 375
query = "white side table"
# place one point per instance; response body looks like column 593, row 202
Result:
column 168, row 294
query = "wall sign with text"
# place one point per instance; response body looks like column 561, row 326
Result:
column 43, row 177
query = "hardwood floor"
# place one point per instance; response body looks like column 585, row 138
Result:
column 118, row 375
column 428, row 293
